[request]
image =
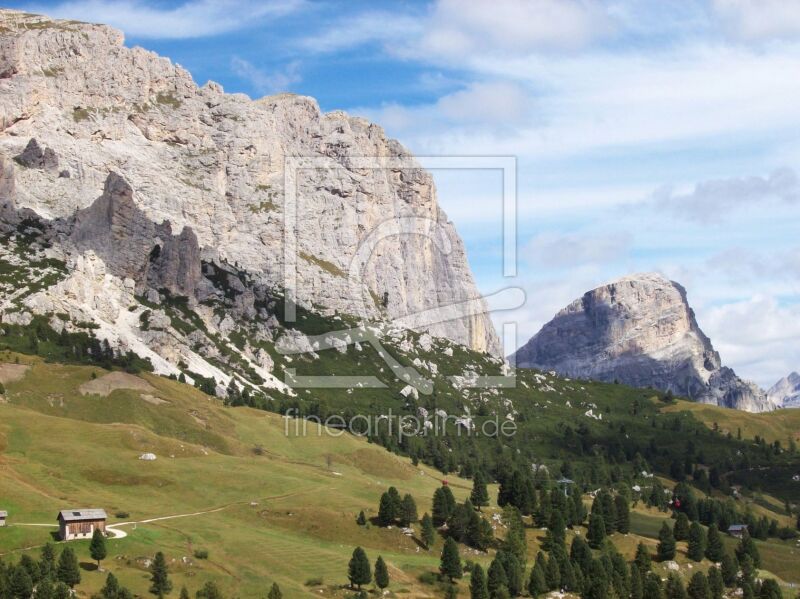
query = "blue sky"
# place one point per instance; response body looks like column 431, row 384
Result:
column 650, row 135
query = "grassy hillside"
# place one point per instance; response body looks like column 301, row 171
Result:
column 268, row 504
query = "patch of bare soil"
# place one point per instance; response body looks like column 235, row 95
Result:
column 12, row 372
column 113, row 381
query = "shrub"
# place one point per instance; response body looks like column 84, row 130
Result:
column 315, row 582
column 122, row 515
column 201, row 553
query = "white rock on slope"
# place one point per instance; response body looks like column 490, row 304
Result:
column 214, row 162
column 639, row 330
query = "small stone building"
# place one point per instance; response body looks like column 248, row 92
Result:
column 737, row 530
column 80, row 523
column 3, row 516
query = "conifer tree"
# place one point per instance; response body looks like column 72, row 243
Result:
column 362, row 518
column 477, row 584
column 450, row 564
column 770, row 590
column 666, row 543
column 45, row 589
column 210, row 590
column 47, row 563
column 537, row 584
column 479, row 495
column 674, row 588
column 698, row 587
column 748, row 570
column 596, row 585
column 20, row 585
column 97, row 548
column 623, row 514
column 160, row 584
column 61, row 591
column 651, row 587
column 444, row 504
column 386, row 510
column 747, row 546
column 636, row 582
column 697, row 542
column 67, row 570
column 715, row 583
column 580, row 553
column 643, row 559
column 428, row 532
column 358, row 570
column 552, row 574
column 184, row 593
column 381, row 573
column 597, row 530
column 496, row 579
column 111, row 588
column 408, row 510
column 681, row 529
column 275, row 592
column 715, row 551
column 729, row 569
column 515, row 541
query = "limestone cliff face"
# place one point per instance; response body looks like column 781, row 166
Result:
column 212, row 165
column 639, row 330
column 786, row 392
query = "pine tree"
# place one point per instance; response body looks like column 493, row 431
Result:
column 408, row 510
column 97, row 548
column 748, row 570
column 362, row 518
column 597, row 530
column 450, row 564
column 61, row 591
column 275, row 592
column 596, row 585
column 451, row 591
column 651, row 586
column 47, row 563
column 160, row 584
column 623, row 514
column 537, row 584
column 44, row 590
column 666, row 543
column 698, row 587
column 20, row 584
column 496, row 578
column 555, row 536
column 715, row 551
column 747, row 546
column 674, row 588
column 770, row 590
column 697, row 542
column 580, row 553
column 358, row 570
column 480, row 495
column 552, row 574
column 715, row 583
column 209, row 591
column 643, row 559
column 184, row 593
column 381, row 573
column 386, row 510
column 515, row 541
column 67, row 570
column 443, row 505
column 681, row 529
column 729, row 569
column 515, row 573
column 111, row 588
column 477, row 584
column 428, row 532
column 30, row 565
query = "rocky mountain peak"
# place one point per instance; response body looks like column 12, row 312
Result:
column 639, row 330
column 786, row 392
column 198, row 158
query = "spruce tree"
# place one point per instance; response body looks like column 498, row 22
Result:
column 477, row 583
column 44, row 590
column 47, row 563
column 358, row 570
column 408, row 510
column 636, row 582
column 597, row 530
column 111, row 588
column 210, row 590
column 697, row 542
column 30, row 565
column 386, row 510
column 450, row 563
column 674, row 588
column 747, row 546
column 443, row 505
column 666, row 543
column 748, row 570
column 715, row 551
column 428, row 531
column 480, row 495
column 623, row 514
column 770, row 590
column 643, row 559
column 381, row 573
column 496, row 578
column 651, row 587
column 62, row 591
column 97, row 548
column 275, row 592
column 362, row 518
column 514, row 572
column 20, row 584
column 729, row 569
column 698, row 587
column 596, row 585
column 580, row 553
column 681, row 529
column 67, row 570
column 537, row 584
column 160, row 584
column 552, row 574
column 715, row 583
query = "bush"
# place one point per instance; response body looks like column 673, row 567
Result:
column 201, row 553
column 315, row 582
column 122, row 515
column 428, row 578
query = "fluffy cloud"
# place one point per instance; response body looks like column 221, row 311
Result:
column 759, row 20
column 196, row 18
column 554, row 250
column 713, row 201
column 264, row 82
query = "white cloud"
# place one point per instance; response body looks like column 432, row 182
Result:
column 195, row 18
column 266, row 82
column 555, row 250
column 356, row 30
column 715, row 200
column 759, row 20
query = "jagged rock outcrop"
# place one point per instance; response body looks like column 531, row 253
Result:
column 134, row 247
column 641, row 331
column 8, row 205
column 786, row 392
column 33, row 156
column 197, row 157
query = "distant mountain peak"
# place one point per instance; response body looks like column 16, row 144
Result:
column 639, row 330
column 786, row 392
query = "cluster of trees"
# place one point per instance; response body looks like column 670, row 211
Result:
column 51, row 577
column 359, row 571
column 393, row 509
